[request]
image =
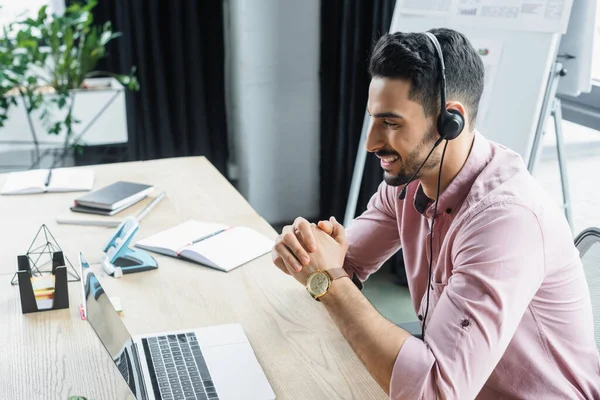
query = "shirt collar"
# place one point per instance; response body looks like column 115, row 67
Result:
column 452, row 198
column 421, row 200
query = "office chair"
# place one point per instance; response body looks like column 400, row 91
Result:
column 588, row 244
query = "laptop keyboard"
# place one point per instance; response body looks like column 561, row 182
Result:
column 122, row 362
column 178, row 369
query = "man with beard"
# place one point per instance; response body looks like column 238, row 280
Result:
column 492, row 270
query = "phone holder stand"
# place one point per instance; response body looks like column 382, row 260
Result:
column 61, row 292
column 120, row 259
column 41, row 253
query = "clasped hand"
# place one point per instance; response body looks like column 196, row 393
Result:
column 304, row 248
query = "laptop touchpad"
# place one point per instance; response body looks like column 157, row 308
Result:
column 236, row 372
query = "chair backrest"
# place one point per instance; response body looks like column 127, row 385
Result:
column 588, row 244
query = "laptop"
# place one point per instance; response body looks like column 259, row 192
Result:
column 209, row 363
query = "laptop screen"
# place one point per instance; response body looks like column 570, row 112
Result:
column 109, row 327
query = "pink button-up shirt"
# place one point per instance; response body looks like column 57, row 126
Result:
column 509, row 315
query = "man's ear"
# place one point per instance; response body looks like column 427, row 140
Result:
column 458, row 106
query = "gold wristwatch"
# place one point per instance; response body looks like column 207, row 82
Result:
column 319, row 282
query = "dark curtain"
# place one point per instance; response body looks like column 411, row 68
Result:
column 349, row 30
column 178, row 49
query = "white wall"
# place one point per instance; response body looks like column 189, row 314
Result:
column 273, row 103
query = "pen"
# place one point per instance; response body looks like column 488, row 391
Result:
column 207, row 236
column 203, row 238
column 106, row 224
column 48, row 177
column 150, row 206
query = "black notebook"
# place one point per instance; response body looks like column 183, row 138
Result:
column 116, row 196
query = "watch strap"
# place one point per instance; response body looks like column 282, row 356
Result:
column 337, row 273
column 334, row 273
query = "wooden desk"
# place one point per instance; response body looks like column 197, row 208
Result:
column 55, row 354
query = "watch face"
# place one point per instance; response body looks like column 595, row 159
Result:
column 318, row 283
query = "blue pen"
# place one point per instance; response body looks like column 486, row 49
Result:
column 208, row 236
column 203, row 238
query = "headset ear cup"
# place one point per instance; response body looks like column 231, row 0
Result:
column 440, row 125
column 453, row 124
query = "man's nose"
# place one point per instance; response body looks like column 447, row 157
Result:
column 375, row 138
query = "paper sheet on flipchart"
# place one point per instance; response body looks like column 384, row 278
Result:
column 490, row 52
column 525, row 15
column 425, row 7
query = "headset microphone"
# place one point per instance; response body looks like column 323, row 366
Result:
column 402, row 194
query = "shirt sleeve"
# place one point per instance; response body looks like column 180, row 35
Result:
column 373, row 237
column 499, row 265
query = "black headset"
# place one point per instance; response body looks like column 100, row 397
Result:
column 451, row 122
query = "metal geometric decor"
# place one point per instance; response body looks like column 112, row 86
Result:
column 40, row 256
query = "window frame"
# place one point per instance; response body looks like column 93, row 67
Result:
column 56, row 6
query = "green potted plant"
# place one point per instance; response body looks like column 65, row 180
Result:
column 46, row 61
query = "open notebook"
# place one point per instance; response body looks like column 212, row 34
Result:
column 214, row 245
column 44, row 180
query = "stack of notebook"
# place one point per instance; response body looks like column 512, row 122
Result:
column 112, row 199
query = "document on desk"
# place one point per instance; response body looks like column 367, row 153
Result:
column 45, row 180
column 215, row 245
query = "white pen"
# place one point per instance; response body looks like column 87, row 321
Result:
column 150, row 206
column 106, row 224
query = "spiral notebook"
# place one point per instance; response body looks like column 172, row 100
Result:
column 217, row 246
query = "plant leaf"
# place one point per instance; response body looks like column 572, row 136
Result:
column 42, row 14
column 107, row 36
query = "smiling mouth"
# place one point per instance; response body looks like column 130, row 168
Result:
column 389, row 161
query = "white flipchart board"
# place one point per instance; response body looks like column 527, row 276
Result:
column 518, row 38
column 516, row 94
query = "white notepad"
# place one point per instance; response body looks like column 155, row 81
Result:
column 61, row 180
column 214, row 245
